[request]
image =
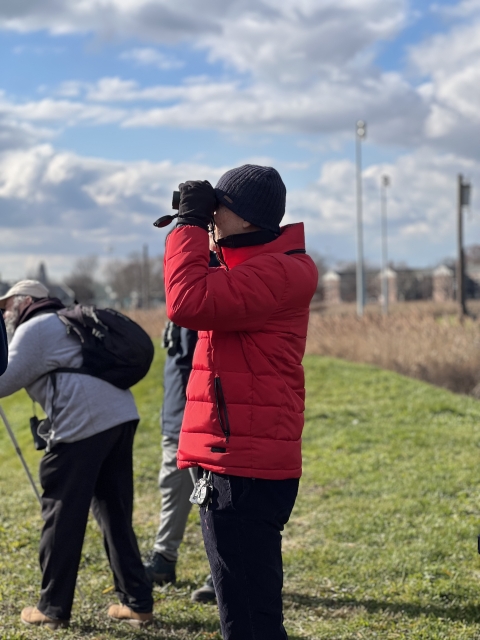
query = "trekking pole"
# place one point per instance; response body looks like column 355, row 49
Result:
column 20, row 455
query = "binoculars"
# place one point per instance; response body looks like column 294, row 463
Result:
column 176, row 200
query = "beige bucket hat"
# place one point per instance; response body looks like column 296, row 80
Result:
column 32, row 288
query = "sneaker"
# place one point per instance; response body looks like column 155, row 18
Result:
column 122, row 613
column 206, row 593
column 159, row 569
column 31, row 615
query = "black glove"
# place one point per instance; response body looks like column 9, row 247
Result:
column 197, row 203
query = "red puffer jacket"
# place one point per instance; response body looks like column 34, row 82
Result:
column 246, row 392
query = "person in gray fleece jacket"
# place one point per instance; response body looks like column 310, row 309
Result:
column 88, row 459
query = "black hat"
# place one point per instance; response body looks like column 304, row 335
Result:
column 256, row 194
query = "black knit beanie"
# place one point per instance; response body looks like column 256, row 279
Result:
column 256, row 194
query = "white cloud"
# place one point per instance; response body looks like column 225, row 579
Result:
column 24, row 118
column 63, row 205
column 195, row 90
column 69, row 89
column 421, row 207
column 326, row 108
column 16, row 133
column 295, row 41
column 304, row 66
column 307, row 67
column 229, row 106
column 60, row 204
column 150, row 56
column 62, row 111
column 451, row 62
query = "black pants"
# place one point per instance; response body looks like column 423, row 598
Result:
column 96, row 472
column 241, row 530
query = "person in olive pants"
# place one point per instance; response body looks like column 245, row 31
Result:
column 175, row 484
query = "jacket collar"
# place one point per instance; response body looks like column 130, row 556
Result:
column 292, row 236
column 262, row 236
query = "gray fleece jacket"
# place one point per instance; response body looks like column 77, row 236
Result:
column 84, row 405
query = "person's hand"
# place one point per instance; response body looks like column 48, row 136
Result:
column 197, row 203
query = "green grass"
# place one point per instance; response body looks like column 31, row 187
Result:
column 382, row 542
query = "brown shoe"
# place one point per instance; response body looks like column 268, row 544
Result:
column 31, row 615
column 122, row 613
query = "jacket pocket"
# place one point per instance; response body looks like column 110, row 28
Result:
column 222, row 408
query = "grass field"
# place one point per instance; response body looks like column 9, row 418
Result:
column 382, row 542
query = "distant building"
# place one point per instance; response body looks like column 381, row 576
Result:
column 403, row 284
column 60, row 291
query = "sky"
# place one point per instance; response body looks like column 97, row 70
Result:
column 106, row 105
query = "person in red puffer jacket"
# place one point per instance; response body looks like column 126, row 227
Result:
column 243, row 419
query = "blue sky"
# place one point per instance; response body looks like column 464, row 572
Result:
column 106, row 106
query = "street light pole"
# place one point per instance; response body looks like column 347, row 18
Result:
column 383, row 201
column 361, row 131
column 463, row 199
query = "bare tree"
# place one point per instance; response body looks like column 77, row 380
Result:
column 136, row 281
column 82, row 279
column 472, row 254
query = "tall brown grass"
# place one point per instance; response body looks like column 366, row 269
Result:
column 424, row 340
column 152, row 320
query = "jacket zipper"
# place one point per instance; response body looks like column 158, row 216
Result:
column 222, row 407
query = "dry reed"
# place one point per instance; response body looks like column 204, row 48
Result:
column 152, row 320
column 424, row 340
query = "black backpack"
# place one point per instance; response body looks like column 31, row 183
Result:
column 114, row 347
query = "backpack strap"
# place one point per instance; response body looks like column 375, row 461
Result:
column 292, row 251
column 70, row 326
column 83, row 370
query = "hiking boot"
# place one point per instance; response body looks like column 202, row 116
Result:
column 31, row 615
column 122, row 613
column 159, row 569
column 206, row 593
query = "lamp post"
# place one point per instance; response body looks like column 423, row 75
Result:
column 383, row 205
column 360, row 134
column 463, row 200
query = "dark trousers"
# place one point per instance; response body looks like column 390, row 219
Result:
column 241, row 530
column 96, row 472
